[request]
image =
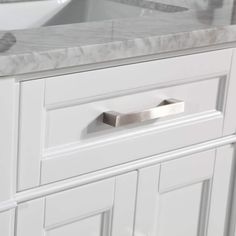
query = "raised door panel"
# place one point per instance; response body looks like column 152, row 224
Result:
column 180, row 197
column 179, row 211
column 104, row 208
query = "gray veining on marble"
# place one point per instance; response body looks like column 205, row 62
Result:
column 56, row 47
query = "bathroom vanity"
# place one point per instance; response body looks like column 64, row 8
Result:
column 123, row 126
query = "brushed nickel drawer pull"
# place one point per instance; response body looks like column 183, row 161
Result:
column 166, row 108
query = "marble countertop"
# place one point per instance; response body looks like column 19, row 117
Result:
column 63, row 46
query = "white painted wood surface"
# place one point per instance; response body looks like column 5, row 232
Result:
column 102, row 208
column 132, row 178
column 7, row 223
column 230, row 116
column 59, row 186
column 30, row 218
column 108, row 152
column 187, row 170
column 63, row 119
column 8, row 136
column 8, row 151
column 124, row 205
column 30, row 135
column 142, row 75
column 220, row 194
column 82, row 123
column 182, row 208
column 79, row 203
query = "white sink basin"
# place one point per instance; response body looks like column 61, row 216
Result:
column 33, row 14
column 21, row 15
column 95, row 10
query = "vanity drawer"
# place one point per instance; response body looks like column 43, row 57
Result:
column 67, row 125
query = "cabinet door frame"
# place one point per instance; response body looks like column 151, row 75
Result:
column 214, row 203
column 115, row 202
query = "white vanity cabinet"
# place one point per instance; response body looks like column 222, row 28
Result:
column 145, row 149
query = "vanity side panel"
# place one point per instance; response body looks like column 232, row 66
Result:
column 8, row 128
column 30, row 133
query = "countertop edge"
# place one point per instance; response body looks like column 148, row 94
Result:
column 12, row 65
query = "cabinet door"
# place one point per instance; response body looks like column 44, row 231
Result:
column 103, row 208
column 185, row 197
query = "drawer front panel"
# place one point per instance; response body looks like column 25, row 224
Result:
column 82, row 123
column 68, row 133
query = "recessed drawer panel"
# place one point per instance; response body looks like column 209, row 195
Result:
column 76, row 124
column 85, row 122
